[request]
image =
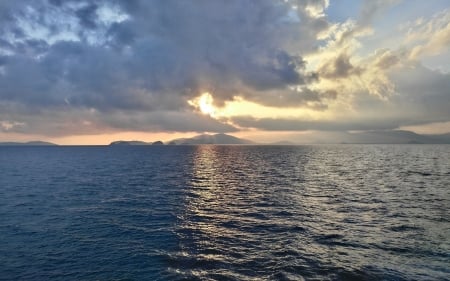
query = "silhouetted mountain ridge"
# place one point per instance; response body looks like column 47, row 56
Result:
column 375, row 137
column 398, row 136
column 368, row 137
column 210, row 139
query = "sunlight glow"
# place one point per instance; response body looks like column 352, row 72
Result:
column 204, row 104
column 241, row 107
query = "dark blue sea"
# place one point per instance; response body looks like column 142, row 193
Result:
column 338, row 212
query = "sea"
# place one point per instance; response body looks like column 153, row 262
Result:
column 211, row 212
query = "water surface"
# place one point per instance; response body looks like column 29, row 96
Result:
column 342, row 212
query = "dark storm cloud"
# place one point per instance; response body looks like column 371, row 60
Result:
column 149, row 56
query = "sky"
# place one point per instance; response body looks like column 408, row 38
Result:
column 95, row 71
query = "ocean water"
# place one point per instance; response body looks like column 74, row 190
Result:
column 338, row 212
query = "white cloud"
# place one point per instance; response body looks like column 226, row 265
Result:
column 430, row 38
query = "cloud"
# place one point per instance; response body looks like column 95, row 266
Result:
column 88, row 16
column 79, row 121
column 385, row 59
column 283, row 124
column 372, row 9
column 339, row 67
column 153, row 56
column 429, row 37
column 6, row 125
column 390, row 83
column 89, row 66
column 424, row 94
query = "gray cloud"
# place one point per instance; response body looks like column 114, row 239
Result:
column 373, row 8
column 90, row 66
column 88, row 16
column 385, row 59
column 339, row 67
column 280, row 124
column 421, row 96
column 153, row 56
column 18, row 118
column 173, row 121
column 425, row 93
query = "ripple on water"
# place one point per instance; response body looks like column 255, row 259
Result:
column 345, row 212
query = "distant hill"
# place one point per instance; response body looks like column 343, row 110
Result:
column 30, row 143
column 398, row 136
column 368, row 137
column 375, row 137
column 210, row 139
column 282, row 143
column 443, row 138
column 134, row 142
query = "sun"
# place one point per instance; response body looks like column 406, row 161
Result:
column 204, row 104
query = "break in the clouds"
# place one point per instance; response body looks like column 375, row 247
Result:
column 94, row 66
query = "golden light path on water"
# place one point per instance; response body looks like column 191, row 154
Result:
column 247, row 207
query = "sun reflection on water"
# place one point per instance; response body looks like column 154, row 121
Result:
column 272, row 211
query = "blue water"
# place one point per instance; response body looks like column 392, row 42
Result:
column 343, row 212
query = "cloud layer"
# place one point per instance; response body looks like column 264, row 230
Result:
column 127, row 58
column 83, row 67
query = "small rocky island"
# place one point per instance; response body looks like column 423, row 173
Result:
column 221, row 139
column 134, row 142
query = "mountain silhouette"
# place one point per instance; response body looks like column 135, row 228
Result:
column 210, row 139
